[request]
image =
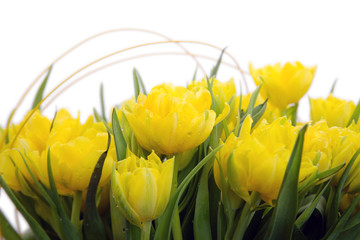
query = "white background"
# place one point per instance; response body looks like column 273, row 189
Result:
column 34, row 33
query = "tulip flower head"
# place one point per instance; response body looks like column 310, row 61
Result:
column 337, row 112
column 142, row 187
column 283, row 85
column 259, row 160
column 30, row 143
column 171, row 119
column 74, row 151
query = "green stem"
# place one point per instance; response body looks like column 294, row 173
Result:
column 176, row 230
column 331, row 212
column 145, row 230
column 230, row 224
column 176, row 226
column 75, row 211
column 246, row 216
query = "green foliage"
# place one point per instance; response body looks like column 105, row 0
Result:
column 93, row 225
column 40, row 92
column 283, row 217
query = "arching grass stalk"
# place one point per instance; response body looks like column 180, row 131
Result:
column 77, row 46
column 91, row 38
column 98, row 60
column 128, row 59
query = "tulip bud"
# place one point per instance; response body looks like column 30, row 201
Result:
column 141, row 188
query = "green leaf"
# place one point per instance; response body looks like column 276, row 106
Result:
column 351, row 233
column 120, row 143
column 210, row 82
column 69, row 230
column 240, row 97
column 58, row 225
column 258, row 112
column 298, row 234
column 355, row 115
column 335, row 231
column 6, row 229
column 216, row 67
column 191, row 190
column 195, row 73
column 333, row 86
column 214, row 200
column 221, row 222
column 225, row 191
column 6, row 131
column 102, row 102
column 142, row 85
column 354, row 221
column 165, row 221
column 136, row 83
column 40, row 92
column 119, row 225
column 330, row 172
column 99, row 118
column 202, row 226
column 253, row 100
column 291, row 113
column 283, row 218
column 53, row 121
column 335, row 201
column 34, row 225
column 93, row 226
column 309, row 210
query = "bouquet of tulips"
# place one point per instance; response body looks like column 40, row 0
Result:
column 197, row 162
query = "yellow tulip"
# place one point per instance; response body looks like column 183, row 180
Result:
column 336, row 111
column 223, row 155
column 30, row 143
column 283, row 85
column 12, row 166
column 74, row 151
column 223, row 92
column 260, row 158
column 330, row 147
column 171, row 119
column 343, row 144
column 316, row 148
column 142, row 187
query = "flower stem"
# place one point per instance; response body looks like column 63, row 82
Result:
column 75, row 211
column 246, row 216
column 145, row 230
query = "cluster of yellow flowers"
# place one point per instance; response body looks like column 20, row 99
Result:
column 74, row 150
column 173, row 120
